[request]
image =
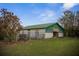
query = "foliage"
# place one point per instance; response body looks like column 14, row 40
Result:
column 9, row 25
column 23, row 37
column 70, row 21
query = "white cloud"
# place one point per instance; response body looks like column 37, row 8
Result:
column 67, row 6
column 46, row 16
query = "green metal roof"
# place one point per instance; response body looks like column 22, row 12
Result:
column 39, row 26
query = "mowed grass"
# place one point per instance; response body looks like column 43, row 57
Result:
column 45, row 47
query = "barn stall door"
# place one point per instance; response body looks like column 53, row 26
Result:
column 55, row 34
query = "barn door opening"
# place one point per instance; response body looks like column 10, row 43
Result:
column 55, row 34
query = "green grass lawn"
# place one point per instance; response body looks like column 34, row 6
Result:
column 51, row 47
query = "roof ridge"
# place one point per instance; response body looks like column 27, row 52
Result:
column 39, row 24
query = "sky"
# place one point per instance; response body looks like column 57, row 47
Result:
column 39, row 13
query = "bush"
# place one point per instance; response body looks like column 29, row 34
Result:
column 23, row 37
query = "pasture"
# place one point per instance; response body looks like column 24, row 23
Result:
column 44, row 47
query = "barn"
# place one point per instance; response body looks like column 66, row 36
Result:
column 41, row 31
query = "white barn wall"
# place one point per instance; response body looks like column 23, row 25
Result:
column 40, row 31
column 32, row 33
column 60, row 34
column 48, row 35
column 23, row 32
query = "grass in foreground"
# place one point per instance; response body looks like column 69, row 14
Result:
column 51, row 47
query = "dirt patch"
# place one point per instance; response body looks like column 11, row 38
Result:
column 4, row 43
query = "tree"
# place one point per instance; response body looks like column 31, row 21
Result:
column 9, row 24
column 68, row 22
column 77, row 23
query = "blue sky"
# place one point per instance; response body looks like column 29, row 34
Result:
column 39, row 13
